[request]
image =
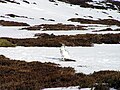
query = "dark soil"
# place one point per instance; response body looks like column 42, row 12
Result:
column 113, row 2
column 26, row 1
column 107, row 29
column 11, row 1
column 90, row 21
column 13, row 16
column 2, row 1
column 12, row 23
column 110, row 4
column 58, row 26
column 15, row 2
column 69, row 40
column 21, row 75
column 47, row 19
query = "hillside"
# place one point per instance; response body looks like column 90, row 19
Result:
column 21, row 75
column 33, row 31
column 53, row 11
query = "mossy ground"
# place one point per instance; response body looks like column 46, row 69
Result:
column 6, row 43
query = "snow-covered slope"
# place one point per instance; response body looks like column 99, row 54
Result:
column 88, row 59
column 41, row 11
column 71, row 88
column 14, row 32
column 44, row 11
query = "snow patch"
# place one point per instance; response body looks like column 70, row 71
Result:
column 88, row 59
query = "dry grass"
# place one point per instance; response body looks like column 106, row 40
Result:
column 21, row 75
column 69, row 40
column 103, row 21
column 12, row 23
column 56, row 27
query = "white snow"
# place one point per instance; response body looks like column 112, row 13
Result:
column 15, row 32
column 88, row 59
column 65, row 88
column 48, row 10
column 71, row 88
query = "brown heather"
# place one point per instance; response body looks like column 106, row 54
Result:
column 21, row 75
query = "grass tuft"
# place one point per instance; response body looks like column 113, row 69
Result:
column 6, row 43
